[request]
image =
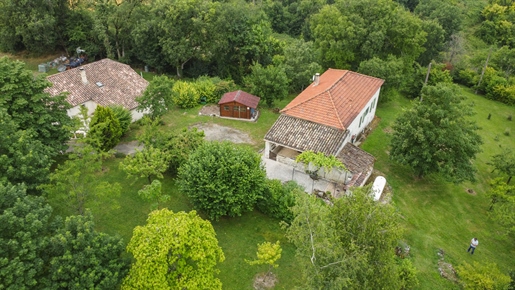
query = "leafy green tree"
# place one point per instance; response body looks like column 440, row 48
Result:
column 502, row 204
column 123, row 116
column 269, row 83
column 482, row 276
column 174, row 251
column 185, row 95
column 267, row 254
column 435, row 135
column 105, row 130
column 157, row 98
column 181, row 145
column 278, row 199
column 222, row 179
column 23, row 159
column 504, row 163
column 146, row 163
column 24, row 226
column 447, row 13
column 392, row 70
column 83, row 258
column 189, row 30
column 74, row 183
column 499, row 191
column 30, row 107
column 300, row 64
column 435, row 43
column 152, row 192
column 348, row 245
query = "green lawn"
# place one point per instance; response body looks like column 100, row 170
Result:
column 442, row 215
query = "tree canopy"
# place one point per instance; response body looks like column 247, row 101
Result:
column 174, row 251
column 222, row 179
column 435, row 135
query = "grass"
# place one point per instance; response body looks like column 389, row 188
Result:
column 441, row 215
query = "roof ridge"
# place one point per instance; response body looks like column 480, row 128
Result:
column 335, row 110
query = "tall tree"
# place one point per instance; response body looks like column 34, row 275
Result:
column 74, row 184
column 24, row 230
column 189, row 30
column 83, row 258
column 447, row 13
column 504, row 163
column 222, row 179
column 349, row 245
column 300, row 64
column 146, row 163
column 157, row 98
column 269, row 83
column 435, row 135
column 24, row 99
column 105, row 130
column 23, row 159
column 174, row 251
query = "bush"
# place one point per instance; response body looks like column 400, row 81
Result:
column 185, row 95
column 207, row 89
column 482, row 276
column 222, row 179
column 223, row 86
column 467, row 77
column 105, row 130
column 407, row 274
column 278, row 199
column 124, row 116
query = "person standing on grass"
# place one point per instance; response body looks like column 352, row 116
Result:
column 473, row 244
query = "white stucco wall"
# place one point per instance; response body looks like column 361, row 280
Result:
column 138, row 115
column 355, row 128
column 92, row 106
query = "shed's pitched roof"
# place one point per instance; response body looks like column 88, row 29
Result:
column 108, row 83
column 336, row 100
column 240, row 97
column 356, row 159
column 305, row 135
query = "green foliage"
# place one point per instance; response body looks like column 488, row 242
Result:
column 435, row 135
column 24, row 225
column 393, row 71
column 319, row 160
column 180, row 145
column 207, row 89
column 269, row 83
column 157, row 98
column 447, row 13
column 498, row 17
column 23, row 159
column 504, row 163
column 348, row 245
column 223, row 86
column 31, row 108
column 300, row 64
column 278, row 199
column 438, row 74
column 502, row 204
column 83, row 258
column 222, row 179
column 153, row 192
column 105, row 131
column 74, row 184
column 146, row 163
column 185, row 95
column 482, row 275
column 174, row 251
column 348, row 32
column 407, row 274
column 267, row 254
column 123, row 116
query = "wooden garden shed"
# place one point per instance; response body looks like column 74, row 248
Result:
column 238, row 104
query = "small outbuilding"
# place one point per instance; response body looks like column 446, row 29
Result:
column 239, row 104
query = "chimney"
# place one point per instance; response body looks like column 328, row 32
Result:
column 83, row 76
column 316, row 79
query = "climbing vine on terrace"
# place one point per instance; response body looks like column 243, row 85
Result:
column 319, row 160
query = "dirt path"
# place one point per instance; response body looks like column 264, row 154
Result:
column 215, row 132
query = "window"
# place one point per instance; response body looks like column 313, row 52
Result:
column 373, row 103
column 226, row 108
column 236, row 108
column 243, row 109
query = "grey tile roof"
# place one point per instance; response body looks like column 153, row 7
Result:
column 356, row 159
column 108, row 83
column 305, row 135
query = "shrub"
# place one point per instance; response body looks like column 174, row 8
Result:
column 278, row 199
column 185, row 95
column 105, row 130
column 482, row 276
column 223, row 86
column 507, row 132
column 207, row 89
column 222, row 179
column 124, row 117
column 467, row 77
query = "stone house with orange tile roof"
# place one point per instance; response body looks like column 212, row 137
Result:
column 105, row 82
column 327, row 117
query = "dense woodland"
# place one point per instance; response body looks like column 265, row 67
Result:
column 271, row 47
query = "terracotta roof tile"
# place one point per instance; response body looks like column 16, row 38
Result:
column 305, row 135
column 108, row 83
column 337, row 99
column 240, row 97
